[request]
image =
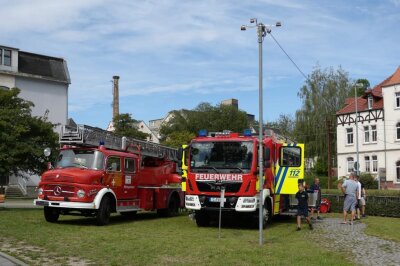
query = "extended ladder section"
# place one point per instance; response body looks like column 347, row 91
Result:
column 84, row 135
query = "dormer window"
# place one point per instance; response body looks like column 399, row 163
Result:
column 370, row 101
column 5, row 57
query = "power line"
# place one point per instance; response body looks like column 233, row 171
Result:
column 280, row 46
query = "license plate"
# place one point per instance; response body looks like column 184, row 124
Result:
column 216, row 199
column 42, row 203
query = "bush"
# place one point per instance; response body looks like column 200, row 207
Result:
column 368, row 181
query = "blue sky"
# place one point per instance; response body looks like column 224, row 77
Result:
column 175, row 54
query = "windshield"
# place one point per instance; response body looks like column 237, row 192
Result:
column 89, row 159
column 236, row 155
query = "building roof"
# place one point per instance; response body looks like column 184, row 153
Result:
column 376, row 93
column 44, row 66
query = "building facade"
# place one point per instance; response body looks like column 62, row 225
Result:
column 43, row 80
column 378, row 133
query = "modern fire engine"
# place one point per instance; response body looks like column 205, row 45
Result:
column 223, row 167
column 98, row 172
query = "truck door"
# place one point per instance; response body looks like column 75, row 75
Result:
column 114, row 174
column 129, row 179
column 290, row 168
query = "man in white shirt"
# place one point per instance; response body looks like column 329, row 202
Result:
column 350, row 189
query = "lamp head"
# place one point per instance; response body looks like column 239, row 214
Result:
column 243, row 27
column 253, row 20
column 278, row 24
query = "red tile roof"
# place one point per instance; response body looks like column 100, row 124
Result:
column 376, row 92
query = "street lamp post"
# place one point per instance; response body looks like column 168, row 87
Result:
column 262, row 31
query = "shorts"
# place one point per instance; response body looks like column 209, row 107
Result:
column 302, row 212
column 361, row 202
column 349, row 203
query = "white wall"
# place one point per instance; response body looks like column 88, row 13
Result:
column 45, row 95
column 7, row 81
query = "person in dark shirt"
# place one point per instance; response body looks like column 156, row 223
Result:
column 302, row 207
column 316, row 188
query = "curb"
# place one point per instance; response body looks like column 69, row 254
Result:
column 13, row 260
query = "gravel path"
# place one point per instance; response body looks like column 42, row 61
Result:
column 366, row 250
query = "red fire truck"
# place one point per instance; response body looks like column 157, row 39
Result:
column 229, row 161
column 98, row 173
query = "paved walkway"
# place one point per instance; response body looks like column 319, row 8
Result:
column 366, row 250
column 6, row 260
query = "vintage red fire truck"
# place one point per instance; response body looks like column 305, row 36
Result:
column 98, row 173
column 229, row 161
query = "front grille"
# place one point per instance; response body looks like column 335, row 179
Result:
column 59, row 190
column 211, row 187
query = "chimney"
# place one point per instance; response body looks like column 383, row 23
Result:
column 115, row 97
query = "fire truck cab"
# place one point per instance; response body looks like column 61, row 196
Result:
column 228, row 161
column 97, row 173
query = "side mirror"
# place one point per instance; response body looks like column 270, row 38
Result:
column 180, row 155
column 267, row 157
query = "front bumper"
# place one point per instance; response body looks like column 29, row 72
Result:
column 240, row 204
column 65, row 204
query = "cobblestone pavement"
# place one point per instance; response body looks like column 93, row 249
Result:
column 366, row 250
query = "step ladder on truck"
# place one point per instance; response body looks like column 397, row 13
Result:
column 98, row 172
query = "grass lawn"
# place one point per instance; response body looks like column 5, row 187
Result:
column 383, row 227
column 149, row 240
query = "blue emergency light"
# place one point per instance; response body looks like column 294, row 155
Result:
column 203, row 133
column 247, row 133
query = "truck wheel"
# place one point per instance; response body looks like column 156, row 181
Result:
column 103, row 213
column 51, row 214
column 202, row 219
column 172, row 210
column 267, row 215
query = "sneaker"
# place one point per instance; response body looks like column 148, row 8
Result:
column 311, row 227
column 364, row 216
column 298, row 229
column 319, row 218
column 312, row 218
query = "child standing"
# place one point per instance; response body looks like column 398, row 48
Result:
column 302, row 207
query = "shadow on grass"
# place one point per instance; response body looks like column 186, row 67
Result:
column 115, row 219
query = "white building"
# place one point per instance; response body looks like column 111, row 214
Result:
column 43, row 80
column 378, row 132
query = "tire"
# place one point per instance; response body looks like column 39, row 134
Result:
column 267, row 215
column 51, row 214
column 103, row 213
column 202, row 219
column 172, row 210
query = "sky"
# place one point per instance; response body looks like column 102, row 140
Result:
column 176, row 54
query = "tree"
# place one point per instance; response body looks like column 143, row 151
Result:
column 22, row 136
column 285, row 125
column 177, row 138
column 361, row 89
column 204, row 116
column 126, row 126
column 323, row 94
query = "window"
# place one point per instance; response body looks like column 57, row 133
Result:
column 350, row 164
column 366, row 134
column 367, row 164
column 398, row 171
column 349, row 133
column 398, row 131
column 7, row 57
column 129, row 165
column 114, row 164
column 397, row 96
column 370, row 101
column 374, row 163
column 1, row 56
column 374, row 133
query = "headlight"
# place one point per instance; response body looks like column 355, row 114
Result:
column 40, row 191
column 80, row 193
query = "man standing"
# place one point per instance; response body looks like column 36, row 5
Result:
column 316, row 188
column 350, row 189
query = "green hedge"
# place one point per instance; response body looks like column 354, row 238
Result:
column 375, row 205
